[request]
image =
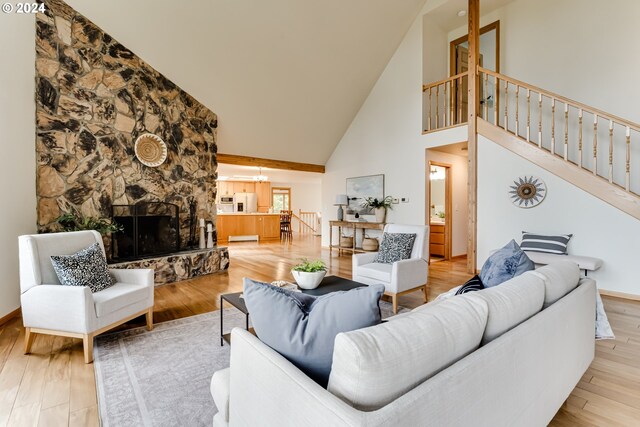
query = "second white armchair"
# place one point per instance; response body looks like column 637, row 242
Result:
column 400, row 277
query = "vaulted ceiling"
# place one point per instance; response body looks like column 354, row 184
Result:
column 286, row 77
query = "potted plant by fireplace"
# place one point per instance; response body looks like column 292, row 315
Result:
column 379, row 206
column 309, row 274
column 74, row 222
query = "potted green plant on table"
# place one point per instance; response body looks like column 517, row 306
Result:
column 309, row 274
column 380, row 206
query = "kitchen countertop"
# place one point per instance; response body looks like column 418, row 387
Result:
column 245, row 214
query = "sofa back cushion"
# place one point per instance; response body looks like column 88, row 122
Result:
column 559, row 279
column 511, row 303
column 374, row 366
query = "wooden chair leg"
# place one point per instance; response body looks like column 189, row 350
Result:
column 424, row 293
column 394, row 302
column 87, row 342
column 149, row 316
column 28, row 340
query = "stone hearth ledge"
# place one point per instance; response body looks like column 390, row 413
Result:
column 182, row 265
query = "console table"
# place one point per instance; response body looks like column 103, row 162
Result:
column 354, row 225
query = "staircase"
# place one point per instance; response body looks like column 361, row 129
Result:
column 583, row 145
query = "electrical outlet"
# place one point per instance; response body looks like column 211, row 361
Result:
column 404, row 200
column 395, row 200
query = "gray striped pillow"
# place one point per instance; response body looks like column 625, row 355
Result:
column 547, row 244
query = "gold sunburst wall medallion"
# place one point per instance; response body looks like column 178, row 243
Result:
column 527, row 191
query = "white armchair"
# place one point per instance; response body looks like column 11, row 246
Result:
column 49, row 308
column 401, row 277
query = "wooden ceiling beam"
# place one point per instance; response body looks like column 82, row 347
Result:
column 233, row 159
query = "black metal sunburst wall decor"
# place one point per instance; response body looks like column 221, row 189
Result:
column 527, row 191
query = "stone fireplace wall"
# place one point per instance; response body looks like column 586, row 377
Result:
column 94, row 97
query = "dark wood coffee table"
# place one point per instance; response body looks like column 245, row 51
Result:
column 329, row 284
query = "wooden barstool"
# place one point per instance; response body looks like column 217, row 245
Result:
column 285, row 225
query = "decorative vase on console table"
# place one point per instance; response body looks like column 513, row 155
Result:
column 379, row 206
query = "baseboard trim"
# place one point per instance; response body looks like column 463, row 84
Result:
column 13, row 314
column 463, row 256
column 621, row 295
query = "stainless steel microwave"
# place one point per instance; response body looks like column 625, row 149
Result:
column 226, row 200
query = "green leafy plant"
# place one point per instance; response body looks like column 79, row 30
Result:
column 441, row 215
column 372, row 202
column 310, row 266
column 74, row 222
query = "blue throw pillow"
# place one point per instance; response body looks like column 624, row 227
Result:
column 504, row 264
column 303, row 328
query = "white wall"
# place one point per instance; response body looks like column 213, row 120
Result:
column 577, row 48
column 459, row 198
column 304, row 195
column 598, row 229
column 385, row 136
column 17, row 140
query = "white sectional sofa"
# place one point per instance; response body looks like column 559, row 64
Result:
column 505, row 356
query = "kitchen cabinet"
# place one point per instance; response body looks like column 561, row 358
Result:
column 264, row 227
column 244, row 187
column 263, row 190
column 225, row 188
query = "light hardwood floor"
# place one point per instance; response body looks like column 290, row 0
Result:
column 54, row 387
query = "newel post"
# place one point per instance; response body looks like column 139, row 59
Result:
column 472, row 120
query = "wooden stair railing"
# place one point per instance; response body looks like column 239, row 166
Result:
column 444, row 102
column 585, row 136
column 581, row 140
column 305, row 221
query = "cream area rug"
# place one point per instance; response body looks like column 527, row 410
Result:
column 162, row 377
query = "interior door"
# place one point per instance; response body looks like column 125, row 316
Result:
column 462, row 66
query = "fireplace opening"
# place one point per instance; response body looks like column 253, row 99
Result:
column 149, row 229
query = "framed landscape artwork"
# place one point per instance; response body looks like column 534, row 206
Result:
column 361, row 187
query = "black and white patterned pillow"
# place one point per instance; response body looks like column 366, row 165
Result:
column 395, row 247
column 473, row 284
column 87, row 267
column 547, row 244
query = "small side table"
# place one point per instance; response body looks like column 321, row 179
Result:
column 235, row 300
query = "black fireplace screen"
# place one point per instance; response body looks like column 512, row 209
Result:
column 149, row 229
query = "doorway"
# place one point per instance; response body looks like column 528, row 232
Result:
column 439, row 184
column 459, row 63
column 446, row 209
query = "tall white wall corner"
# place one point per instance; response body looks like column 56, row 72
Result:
column 18, row 164
column 598, row 229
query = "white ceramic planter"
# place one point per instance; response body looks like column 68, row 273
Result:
column 380, row 214
column 308, row 280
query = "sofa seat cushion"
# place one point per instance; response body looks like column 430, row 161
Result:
column 511, row 303
column 376, row 271
column 118, row 296
column 374, row 366
column 559, row 279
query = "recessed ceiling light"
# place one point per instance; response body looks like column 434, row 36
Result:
column 462, row 13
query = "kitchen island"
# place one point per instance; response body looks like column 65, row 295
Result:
column 240, row 226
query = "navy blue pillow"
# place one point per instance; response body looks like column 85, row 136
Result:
column 303, row 328
column 504, row 264
column 473, row 284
